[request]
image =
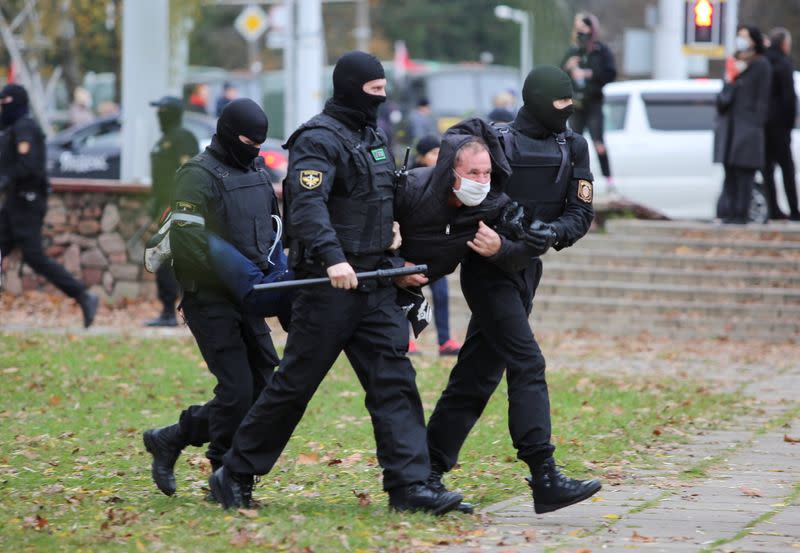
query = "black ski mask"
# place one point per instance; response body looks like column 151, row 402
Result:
column 352, row 71
column 16, row 108
column 242, row 117
column 543, row 85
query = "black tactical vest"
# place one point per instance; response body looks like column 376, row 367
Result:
column 541, row 172
column 246, row 214
column 361, row 209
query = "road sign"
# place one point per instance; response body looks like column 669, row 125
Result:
column 251, row 23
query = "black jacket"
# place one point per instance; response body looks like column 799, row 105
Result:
column 742, row 114
column 601, row 61
column 435, row 232
column 783, row 98
column 172, row 150
column 23, row 173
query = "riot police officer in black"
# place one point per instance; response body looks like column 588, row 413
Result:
column 224, row 190
column 339, row 219
column 551, row 179
column 175, row 147
column 22, row 175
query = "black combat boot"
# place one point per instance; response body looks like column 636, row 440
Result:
column 435, row 483
column 419, row 497
column 165, row 445
column 552, row 490
column 231, row 489
column 88, row 303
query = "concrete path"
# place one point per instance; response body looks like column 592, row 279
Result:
column 747, row 499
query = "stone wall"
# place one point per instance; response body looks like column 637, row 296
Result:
column 89, row 229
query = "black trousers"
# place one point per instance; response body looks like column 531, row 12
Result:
column 167, row 286
column 372, row 331
column 590, row 115
column 21, row 227
column 499, row 337
column 737, row 192
column 239, row 353
column 779, row 152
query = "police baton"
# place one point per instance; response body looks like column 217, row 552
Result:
column 367, row 275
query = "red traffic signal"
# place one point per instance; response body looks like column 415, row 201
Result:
column 703, row 13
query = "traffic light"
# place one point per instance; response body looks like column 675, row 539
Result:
column 704, row 26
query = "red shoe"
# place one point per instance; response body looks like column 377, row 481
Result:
column 450, row 347
column 412, row 347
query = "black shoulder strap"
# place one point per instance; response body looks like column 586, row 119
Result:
column 561, row 140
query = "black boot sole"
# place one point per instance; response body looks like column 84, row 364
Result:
column 540, row 509
column 151, row 448
column 465, row 508
column 447, row 507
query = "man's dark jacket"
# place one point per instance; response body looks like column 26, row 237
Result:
column 783, row 98
column 435, row 232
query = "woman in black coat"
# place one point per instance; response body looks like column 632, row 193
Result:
column 742, row 108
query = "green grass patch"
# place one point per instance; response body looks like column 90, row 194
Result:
column 74, row 473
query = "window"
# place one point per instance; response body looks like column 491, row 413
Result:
column 680, row 111
column 615, row 109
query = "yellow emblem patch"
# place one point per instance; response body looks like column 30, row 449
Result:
column 585, row 191
column 310, row 179
column 184, row 206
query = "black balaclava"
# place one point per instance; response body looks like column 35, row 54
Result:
column 543, row 85
column 351, row 72
column 18, row 107
column 242, row 117
column 169, row 117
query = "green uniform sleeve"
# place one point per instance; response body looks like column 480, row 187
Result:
column 195, row 198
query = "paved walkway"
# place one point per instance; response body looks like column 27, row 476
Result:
column 747, row 500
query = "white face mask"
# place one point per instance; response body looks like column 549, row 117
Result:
column 742, row 44
column 471, row 192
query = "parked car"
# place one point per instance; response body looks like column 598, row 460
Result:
column 92, row 151
column 660, row 139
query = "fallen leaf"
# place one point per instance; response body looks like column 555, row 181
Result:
column 640, row 538
column 54, row 400
column 789, row 439
column 364, row 499
column 351, row 460
column 55, row 488
column 241, row 537
column 750, row 492
column 529, row 535
column 10, row 370
column 307, row 459
column 249, row 513
column 656, row 432
column 612, row 516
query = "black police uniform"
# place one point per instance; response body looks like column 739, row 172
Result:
column 340, row 203
column 225, row 190
column 22, row 174
column 176, row 146
column 551, row 178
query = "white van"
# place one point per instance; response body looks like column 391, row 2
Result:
column 659, row 136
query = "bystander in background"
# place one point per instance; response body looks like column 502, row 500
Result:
column 742, row 108
column 590, row 65
column 780, row 122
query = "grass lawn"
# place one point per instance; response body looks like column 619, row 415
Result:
column 74, row 473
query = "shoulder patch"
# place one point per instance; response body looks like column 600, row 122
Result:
column 24, row 147
column 184, row 206
column 310, row 179
column 378, row 154
column 585, row 191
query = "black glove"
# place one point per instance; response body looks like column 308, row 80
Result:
column 511, row 222
column 539, row 237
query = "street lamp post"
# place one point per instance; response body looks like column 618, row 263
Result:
column 524, row 19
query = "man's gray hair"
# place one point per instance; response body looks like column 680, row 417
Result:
column 474, row 144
